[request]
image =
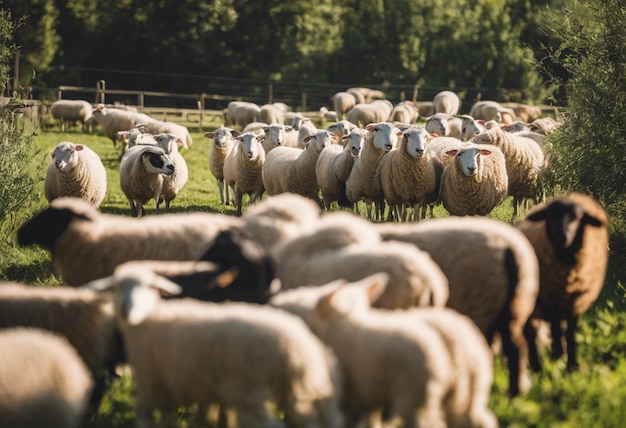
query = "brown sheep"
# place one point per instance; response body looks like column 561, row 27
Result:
column 571, row 238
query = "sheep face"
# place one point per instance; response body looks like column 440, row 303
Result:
column 64, row 155
column 384, row 135
column 168, row 142
column 318, row 141
column 221, row 136
column 250, row 145
column 354, row 142
column 157, row 162
column 416, row 140
column 437, row 124
column 468, row 159
column 471, row 127
column 276, row 134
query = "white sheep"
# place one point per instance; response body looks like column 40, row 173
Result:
column 409, row 176
column 266, row 355
column 155, row 127
column 381, row 138
column 289, row 169
column 544, row 125
column 344, row 245
column 363, row 114
column 223, row 142
column 340, row 129
column 366, row 95
column 86, row 244
column 492, row 110
column 306, row 129
column 75, row 170
column 43, row 382
column 405, row 112
column 141, row 176
column 243, row 169
column 172, row 183
column 334, row 166
column 471, row 127
column 256, row 127
column 276, row 135
column 84, row 317
column 113, row 120
column 444, row 125
column 343, row 103
column 269, row 113
column 524, row 164
column 389, row 359
column 476, row 182
column 447, row 102
column 239, row 113
column 493, row 276
column 69, row 111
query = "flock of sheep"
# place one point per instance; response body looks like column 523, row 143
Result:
column 332, row 319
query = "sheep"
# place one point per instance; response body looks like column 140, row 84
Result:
column 112, row 120
column 265, row 355
column 343, row 103
column 405, row 112
column 279, row 218
column 173, row 183
column 343, row 245
column 524, row 112
column 75, row 170
column 470, row 127
column 471, row 359
column 438, row 147
column 492, row 110
column 269, row 113
column 306, row 129
column 86, row 244
column 447, row 102
column 256, row 127
column 239, row 113
column 476, row 182
column 389, row 359
column 570, row 236
column 155, row 127
column 72, row 111
column 367, row 95
column 426, row 108
column 141, row 176
column 82, row 316
column 330, row 115
column 340, row 129
column 408, row 175
column 524, row 163
column 381, row 138
column 444, row 125
column 276, row 135
column 289, row 169
column 333, row 168
column 243, row 169
column 363, row 114
column 223, row 142
column 493, row 277
column 544, row 125
column 43, row 382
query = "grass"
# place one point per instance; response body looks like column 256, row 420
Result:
column 589, row 397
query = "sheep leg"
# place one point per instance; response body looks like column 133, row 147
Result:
column 515, row 348
column 557, row 338
column 238, row 201
column 220, row 186
column 570, row 341
column 533, row 353
column 133, row 208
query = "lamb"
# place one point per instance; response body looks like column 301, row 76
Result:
column 492, row 110
column 447, row 102
column 173, row 183
column 333, row 168
column 471, row 359
column 276, row 135
column 69, row 111
column 570, row 236
column 112, row 120
column 86, row 244
column 444, row 125
column 388, row 359
column 493, row 276
column 43, row 382
column 141, row 176
column 155, row 127
column 524, row 163
column 343, row 103
column 243, row 169
column 263, row 350
column 269, row 113
column 289, row 169
column 82, row 316
column 223, row 142
column 476, row 182
column 381, row 138
column 75, row 170
column 343, row 245
column 408, row 175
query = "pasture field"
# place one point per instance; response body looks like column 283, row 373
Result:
column 592, row 396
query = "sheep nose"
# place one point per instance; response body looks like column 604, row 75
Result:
column 388, row 146
column 419, row 152
column 471, row 169
column 59, row 164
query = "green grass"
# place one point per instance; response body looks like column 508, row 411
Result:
column 589, row 397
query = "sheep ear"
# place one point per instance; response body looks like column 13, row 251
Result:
column 179, row 142
column 485, row 152
column 434, row 135
column 371, row 127
column 208, row 135
column 226, row 278
column 102, row 284
column 235, row 133
column 376, row 285
column 164, row 285
column 451, row 152
column 307, row 139
column 539, row 215
column 79, row 147
column 288, row 129
column 325, row 305
column 481, row 122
